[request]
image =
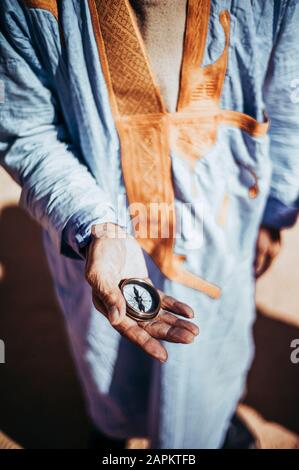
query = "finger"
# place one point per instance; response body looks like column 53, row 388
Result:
column 261, row 253
column 171, row 333
column 265, row 256
column 267, row 248
column 172, row 305
column 109, row 300
column 139, row 336
column 274, row 249
column 173, row 320
column 170, row 328
column 264, row 265
column 259, row 262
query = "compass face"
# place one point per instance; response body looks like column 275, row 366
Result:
column 138, row 297
column 143, row 300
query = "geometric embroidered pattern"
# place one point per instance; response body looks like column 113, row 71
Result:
column 131, row 77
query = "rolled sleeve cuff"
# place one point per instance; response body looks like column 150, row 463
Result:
column 278, row 215
column 77, row 232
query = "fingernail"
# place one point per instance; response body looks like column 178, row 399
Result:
column 114, row 316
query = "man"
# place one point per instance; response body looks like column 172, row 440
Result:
column 121, row 107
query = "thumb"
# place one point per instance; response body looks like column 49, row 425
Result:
column 111, row 302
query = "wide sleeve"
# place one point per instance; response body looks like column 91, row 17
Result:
column 282, row 102
column 57, row 190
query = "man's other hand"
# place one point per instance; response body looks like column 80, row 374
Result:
column 268, row 245
column 111, row 256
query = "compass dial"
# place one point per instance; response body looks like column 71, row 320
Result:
column 138, row 297
column 142, row 299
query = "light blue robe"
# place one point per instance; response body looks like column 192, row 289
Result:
column 58, row 140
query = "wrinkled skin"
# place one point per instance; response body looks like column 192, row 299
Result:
column 109, row 259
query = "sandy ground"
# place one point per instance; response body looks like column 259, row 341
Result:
column 41, row 403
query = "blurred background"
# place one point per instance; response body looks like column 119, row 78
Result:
column 41, row 403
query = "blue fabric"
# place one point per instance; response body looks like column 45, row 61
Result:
column 58, row 140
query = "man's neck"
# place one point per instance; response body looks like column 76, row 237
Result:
column 162, row 25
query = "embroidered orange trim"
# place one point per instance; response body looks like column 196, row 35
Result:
column 147, row 132
column 49, row 5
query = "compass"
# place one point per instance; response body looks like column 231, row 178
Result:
column 142, row 299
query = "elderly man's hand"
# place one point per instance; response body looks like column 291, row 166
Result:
column 267, row 248
column 113, row 256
